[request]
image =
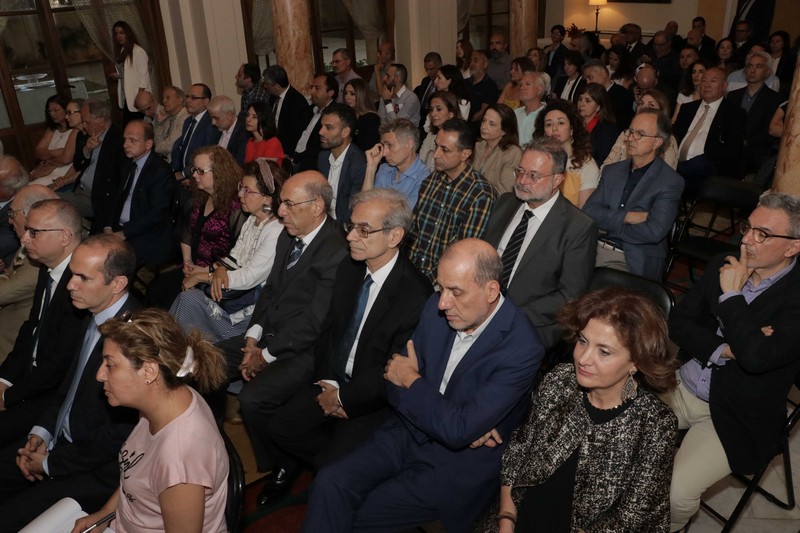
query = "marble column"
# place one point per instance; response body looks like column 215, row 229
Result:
column 787, row 170
column 292, row 21
column 523, row 25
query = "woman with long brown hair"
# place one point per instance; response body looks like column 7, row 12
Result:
column 132, row 70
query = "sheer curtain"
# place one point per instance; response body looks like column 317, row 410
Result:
column 368, row 16
column 464, row 10
column 263, row 30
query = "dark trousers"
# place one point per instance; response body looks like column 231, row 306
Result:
column 17, row 421
column 694, row 172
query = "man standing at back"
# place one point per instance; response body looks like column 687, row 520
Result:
column 500, row 62
column 323, row 91
column 248, row 79
column 290, row 108
column 343, row 69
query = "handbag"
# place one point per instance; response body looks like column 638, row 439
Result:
column 233, row 300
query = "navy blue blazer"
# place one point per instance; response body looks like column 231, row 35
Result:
column 490, row 388
column 238, row 141
column 351, row 178
column 658, row 193
column 205, row 134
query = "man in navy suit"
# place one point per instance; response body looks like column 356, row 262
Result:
column 467, row 377
column 290, row 108
column 340, row 160
column 197, row 131
column 233, row 133
column 637, row 200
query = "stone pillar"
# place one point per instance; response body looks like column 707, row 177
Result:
column 292, row 21
column 523, row 25
column 787, row 170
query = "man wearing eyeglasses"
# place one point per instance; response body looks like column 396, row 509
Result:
column 637, row 200
column 197, row 131
column 737, row 333
column 547, row 245
column 47, row 341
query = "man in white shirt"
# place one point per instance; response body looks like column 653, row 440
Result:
column 532, row 87
column 340, row 160
column 323, row 91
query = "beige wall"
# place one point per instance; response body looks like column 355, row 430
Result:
column 651, row 17
column 422, row 26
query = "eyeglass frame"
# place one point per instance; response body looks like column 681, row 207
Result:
column 529, row 175
column 247, row 190
column 291, row 205
column 745, row 227
column 12, row 213
column 363, row 232
column 637, row 134
column 201, row 171
column 33, row 232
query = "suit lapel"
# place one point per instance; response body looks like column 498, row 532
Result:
column 644, row 184
column 547, row 227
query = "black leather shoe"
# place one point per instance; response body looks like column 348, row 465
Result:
column 276, row 487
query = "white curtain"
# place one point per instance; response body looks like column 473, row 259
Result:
column 367, row 15
column 263, row 30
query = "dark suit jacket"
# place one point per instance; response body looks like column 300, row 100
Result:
column 556, row 67
column 110, row 159
column 294, row 303
column 97, row 429
column 556, row 267
column 9, row 244
column 238, row 141
column 307, row 160
column 60, row 334
column 748, row 394
column 387, row 327
column 658, row 193
column 785, row 73
column 603, row 137
column 490, row 388
column 561, row 82
column 622, row 104
column 295, row 114
column 725, row 142
column 757, row 139
column 420, row 90
column 640, row 49
column 351, row 178
column 149, row 229
column 205, row 134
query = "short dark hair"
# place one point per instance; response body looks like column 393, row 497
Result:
column 149, row 132
column 402, row 71
column 345, row 113
column 277, row 75
column 330, row 83
column 561, row 29
column 206, row 89
column 574, row 58
column 433, row 57
column 251, row 71
column 121, row 259
column 699, row 19
column 466, row 137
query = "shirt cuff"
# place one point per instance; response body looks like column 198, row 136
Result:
column 730, row 294
column 255, row 331
column 46, row 467
column 7, row 383
column 269, row 358
column 331, row 382
column 716, row 356
column 42, row 433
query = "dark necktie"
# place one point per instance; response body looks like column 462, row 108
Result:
column 348, row 338
column 514, row 245
column 45, row 302
column 126, row 192
column 295, row 254
column 186, row 140
column 275, row 109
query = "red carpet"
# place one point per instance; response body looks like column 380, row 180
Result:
column 285, row 517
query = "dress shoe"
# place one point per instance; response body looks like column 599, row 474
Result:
column 276, row 487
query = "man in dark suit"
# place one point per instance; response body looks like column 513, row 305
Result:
column 197, row 131
column 233, row 133
column 711, row 137
column 341, row 161
column 432, row 63
column 705, row 44
column 12, row 178
column 72, row 451
column 637, row 200
column 633, row 42
column 555, row 52
column 760, row 103
column 287, row 102
column 737, row 333
column 99, row 157
column 549, row 258
column 278, row 346
column 621, row 98
column 143, row 204
column 467, row 377
column 367, row 322
column 323, row 91
column 46, row 342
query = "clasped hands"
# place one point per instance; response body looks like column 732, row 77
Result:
column 253, row 361
column 328, row 400
column 30, row 458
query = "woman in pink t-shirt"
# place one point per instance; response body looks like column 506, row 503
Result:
column 173, row 467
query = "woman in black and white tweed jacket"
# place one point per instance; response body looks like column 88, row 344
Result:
column 596, row 451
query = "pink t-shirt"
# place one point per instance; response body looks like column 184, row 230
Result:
column 187, row 450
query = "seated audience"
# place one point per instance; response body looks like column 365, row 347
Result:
column 213, row 303
column 75, row 121
column 537, row 57
column 464, row 51
column 598, row 118
column 264, row 142
column 465, row 372
column 377, row 299
column 620, row 98
column 169, row 123
column 636, row 202
column 651, row 99
column 233, row 130
column 323, row 91
column 71, row 446
column 356, row 96
column 738, row 78
column 666, row 61
column 726, row 56
column 532, row 89
column 737, row 333
column 12, row 178
column 547, row 245
column 697, row 37
column 402, row 170
column 432, row 63
column 248, row 79
column 690, row 85
column 56, row 149
column 783, row 60
column 510, row 94
column 340, row 161
column 481, row 88
column 174, row 462
column 560, row 121
column 499, row 60
column 688, row 55
column 647, row 79
column 383, row 59
column 292, row 111
column 497, row 152
column 621, row 67
column 596, row 421
column 567, row 86
column 397, row 100
column 197, row 131
column 444, row 106
column 449, row 79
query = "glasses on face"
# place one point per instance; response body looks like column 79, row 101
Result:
column 520, row 173
column 201, row 171
column 288, row 204
column 759, row 235
column 636, row 134
column 193, row 97
column 362, row 230
column 73, row 112
column 33, row 232
column 13, row 212
column 247, row 190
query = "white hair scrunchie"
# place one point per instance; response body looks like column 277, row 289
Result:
column 188, row 363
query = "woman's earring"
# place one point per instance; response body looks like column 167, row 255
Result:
column 629, row 389
column 266, row 208
column 147, row 381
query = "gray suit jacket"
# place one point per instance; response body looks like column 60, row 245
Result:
column 658, row 193
column 556, row 267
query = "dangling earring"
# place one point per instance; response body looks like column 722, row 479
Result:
column 266, row 209
column 629, row 390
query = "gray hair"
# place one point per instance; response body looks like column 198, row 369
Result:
column 663, row 127
column 765, row 56
column 97, row 108
column 344, row 52
column 64, row 211
column 788, row 203
column 320, row 190
column 223, row 104
column 177, row 90
column 399, row 214
column 33, row 194
column 553, row 148
column 488, row 267
column 403, row 128
column 15, row 177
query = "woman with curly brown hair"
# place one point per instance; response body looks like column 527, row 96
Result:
column 596, row 451
column 561, row 121
column 173, row 466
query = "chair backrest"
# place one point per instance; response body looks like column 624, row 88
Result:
column 610, row 277
column 233, row 507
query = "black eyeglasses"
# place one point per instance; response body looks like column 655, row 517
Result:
column 636, row 134
column 521, row 173
column 288, row 204
column 759, row 235
column 201, row 171
column 33, row 232
column 362, row 230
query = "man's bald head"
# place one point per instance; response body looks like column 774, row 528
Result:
column 13, row 177
column 145, row 103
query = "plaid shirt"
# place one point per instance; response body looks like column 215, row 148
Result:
column 448, row 211
column 256, row 94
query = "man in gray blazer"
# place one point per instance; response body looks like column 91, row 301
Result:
column 637, row 200
column 547, row 244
